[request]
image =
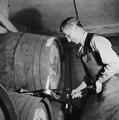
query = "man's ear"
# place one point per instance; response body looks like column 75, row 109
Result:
column 74, row 27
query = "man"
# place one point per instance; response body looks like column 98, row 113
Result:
column 100, row 55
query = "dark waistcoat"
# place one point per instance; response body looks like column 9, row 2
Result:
column 91, row 61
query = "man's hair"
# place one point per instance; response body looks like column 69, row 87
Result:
column 70, row 21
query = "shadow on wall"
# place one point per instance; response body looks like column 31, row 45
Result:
column 29, row 18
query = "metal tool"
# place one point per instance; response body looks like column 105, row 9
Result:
column 48, row 93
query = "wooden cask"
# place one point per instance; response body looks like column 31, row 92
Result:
column 34, row 108
column 7, row 111
column 30, row 61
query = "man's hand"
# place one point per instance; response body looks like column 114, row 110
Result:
column 77, row 92
column 98, row 86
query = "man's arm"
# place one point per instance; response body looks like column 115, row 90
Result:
column 108, row 57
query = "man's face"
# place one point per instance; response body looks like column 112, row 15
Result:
column 70, row 34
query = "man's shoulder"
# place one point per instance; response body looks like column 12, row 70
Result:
column 96, row 35
column 98, row 39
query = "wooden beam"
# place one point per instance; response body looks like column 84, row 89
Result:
column 106, row 30
column 8, row 25
column 4, row 7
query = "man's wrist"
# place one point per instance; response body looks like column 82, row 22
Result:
column 84, row 84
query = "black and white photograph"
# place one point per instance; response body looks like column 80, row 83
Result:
column 59, row 59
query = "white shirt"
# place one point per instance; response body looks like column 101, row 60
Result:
column 107, row 54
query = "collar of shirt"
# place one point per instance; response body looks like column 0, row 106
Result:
column 83, row 39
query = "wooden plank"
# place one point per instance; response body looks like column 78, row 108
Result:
column 4, row 7
column 107, row 30
column 6, row 22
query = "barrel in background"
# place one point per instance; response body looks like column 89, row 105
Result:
column 7, row 111
column 35, row 108
column 30, row 61
column 28, row 107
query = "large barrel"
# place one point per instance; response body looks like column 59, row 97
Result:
column 57, row 110
column 7, row 111
column 34, row 108
column 30, row 61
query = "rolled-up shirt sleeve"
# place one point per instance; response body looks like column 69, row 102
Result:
column 108, row 57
